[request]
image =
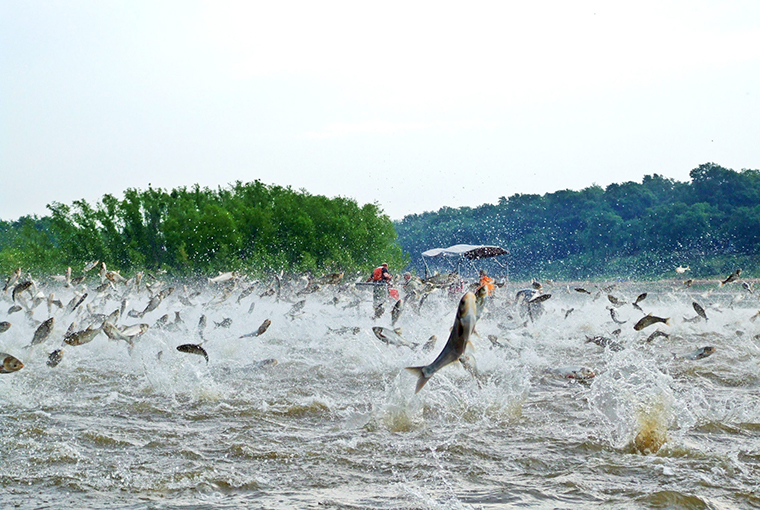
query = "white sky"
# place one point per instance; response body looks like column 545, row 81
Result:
column 413, row 105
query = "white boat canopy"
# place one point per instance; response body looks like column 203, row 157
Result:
column 460, row 252
column 469, row 251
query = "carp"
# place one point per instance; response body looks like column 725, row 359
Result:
column 9, row 364
column 648, row 320
column 464, row 324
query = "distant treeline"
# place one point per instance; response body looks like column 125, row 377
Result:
column 246, row 226
column 628, row 230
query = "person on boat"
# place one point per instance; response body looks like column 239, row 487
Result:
column 381, row 274
column 412, row 287
column 487, row 282
column 411, row 283
column 381, row 277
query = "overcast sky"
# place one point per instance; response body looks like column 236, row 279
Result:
column 413, row 105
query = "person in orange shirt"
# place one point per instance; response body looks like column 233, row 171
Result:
column 381, row 277
column 486, row 282
column 381, row 274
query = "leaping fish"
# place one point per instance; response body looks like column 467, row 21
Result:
column 539, row 298
column 657, row 334
column 115, row 277
column 396, row 311
column 264, row 326
column 464, row 324
column 81, row 337
column 700, row 353
column 648, row 320
column 732, row 277
column 698, row 308
column 615, row 301
column 247, row 292
column 43, row 331
column 19, row 288
column 614, row 316
column 603, row 341
column 223, row 277
column 430, row 344
column 75, row 302
column 572, row 372
column 201, row 325
column 297, row 307
column 54, row 358
column 9, row 364
column 12, row 279
column 641, row 297
column 392, row 337
column 468, row 363
column 90, row 265
column 134, row 331
column 193, row 349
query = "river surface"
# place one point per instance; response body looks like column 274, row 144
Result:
column 336, row 423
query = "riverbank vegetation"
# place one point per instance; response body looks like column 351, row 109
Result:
column 247, row 227
column 628, row 230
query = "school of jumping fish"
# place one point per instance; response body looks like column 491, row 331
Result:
column 99, row 303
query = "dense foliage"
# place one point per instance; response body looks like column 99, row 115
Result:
column 628, row 230
column 251, row 226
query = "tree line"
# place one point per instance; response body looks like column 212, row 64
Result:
column 628, row 230
column 248, row 227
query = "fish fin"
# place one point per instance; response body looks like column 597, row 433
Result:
column 667, row 321
column 421, row 379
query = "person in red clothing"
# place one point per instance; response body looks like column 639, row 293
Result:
column 381, row 277
column 381, row 274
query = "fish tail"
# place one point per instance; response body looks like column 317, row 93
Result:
column 667, row 322
column 421, row 378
